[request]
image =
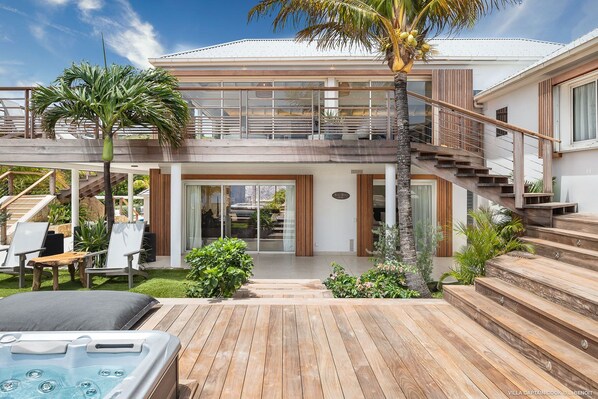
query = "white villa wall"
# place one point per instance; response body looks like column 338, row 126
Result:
column 523, row 112
column 335, row 221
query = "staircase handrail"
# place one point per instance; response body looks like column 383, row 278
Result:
column 483, row 118
column 27, row 190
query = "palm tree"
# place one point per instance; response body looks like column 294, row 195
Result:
column 114, row 98
column 398, row 30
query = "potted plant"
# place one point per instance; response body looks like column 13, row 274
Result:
column 332, row 125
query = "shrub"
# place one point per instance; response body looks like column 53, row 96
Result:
column 61, row 213
column 492, row 233
column 92, row 237
column 387, row 280
column 219, row 269
column 427, row 238
column 386, row 247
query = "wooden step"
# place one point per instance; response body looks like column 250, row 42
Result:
column 574, row 238
column 573, row 255
column 587, row 223
column 554, row 281
column 565, row 206
column 570, row 326
column 571, row 366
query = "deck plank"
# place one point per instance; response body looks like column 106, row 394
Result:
column 215, row 380
column 235, row 377
column 342, row 361
column 273, row 368
column 291, row 366
column 365, row 375
column 399, row 369
column 254, row 377
column 387, row 382
column 331, row 386
column 310, row 375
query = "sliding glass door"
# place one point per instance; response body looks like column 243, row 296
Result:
column 262, row 215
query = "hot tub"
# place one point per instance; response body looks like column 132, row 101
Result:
column 88, row 365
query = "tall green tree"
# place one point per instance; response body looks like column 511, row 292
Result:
column 398, row 30
column 114, row 98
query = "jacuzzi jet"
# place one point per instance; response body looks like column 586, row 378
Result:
column 9, row 385
column 34, row 373
column 119, row 373
column 85, row 384
column 105, row 372
column 91, row 392
column 47, row 386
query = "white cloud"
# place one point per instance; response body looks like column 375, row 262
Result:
column 83, row 5
column 127, row 34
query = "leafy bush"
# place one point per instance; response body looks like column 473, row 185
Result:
column 92, row 237
column 387, row 280
column 492, row 233
column 4, row 216
column 427, row 238
column 219, row 269
column 61, row 213
column 386, row 247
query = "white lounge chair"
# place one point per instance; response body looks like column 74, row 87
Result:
column 27, row 243
column 122, row 255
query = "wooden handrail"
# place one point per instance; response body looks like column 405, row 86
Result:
column 5, row 174
column 27, row 190
column 483, row 118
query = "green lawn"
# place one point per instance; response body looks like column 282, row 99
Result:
column 161, row 283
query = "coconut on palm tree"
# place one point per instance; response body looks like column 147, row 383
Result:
column 114, row 98
column 399, row 30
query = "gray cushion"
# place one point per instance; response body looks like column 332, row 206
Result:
column 73, row 310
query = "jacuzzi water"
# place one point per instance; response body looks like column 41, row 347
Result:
column 86, row 365
column 90, row 382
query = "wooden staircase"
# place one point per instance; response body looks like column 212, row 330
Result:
column 91, row 186
column 285, row 288
column 24, row 209
column 466, row 170
column 544, row 305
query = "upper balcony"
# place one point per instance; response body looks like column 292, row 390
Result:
column 259, row 112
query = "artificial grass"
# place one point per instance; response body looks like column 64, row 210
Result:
column 161, row 283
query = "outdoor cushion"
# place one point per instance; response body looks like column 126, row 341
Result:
column 73, row 310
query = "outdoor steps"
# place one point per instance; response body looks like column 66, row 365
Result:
column 574, row 367
column 569, row 286
column 579, row 222
column 574, row 238
column 570, row 326
column 574, row 255
column 283, row 288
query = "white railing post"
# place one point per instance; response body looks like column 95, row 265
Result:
column 547, row 164
column 518, row 168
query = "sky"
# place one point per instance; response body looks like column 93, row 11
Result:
column 39, row 38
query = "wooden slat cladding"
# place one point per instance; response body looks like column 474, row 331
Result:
column 365, row 217
column 455, row 86
column 444, row 216
column 545, row 110
column 160, row 211
column 304, row 215
column 365, row 214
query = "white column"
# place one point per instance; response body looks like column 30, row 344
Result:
column 130, row 193
column 74, row 200
column 391, row 194
column 176, row 214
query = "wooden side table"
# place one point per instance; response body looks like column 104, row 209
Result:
column 69, row 259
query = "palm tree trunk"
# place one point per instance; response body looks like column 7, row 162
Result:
column 406, row 234
column 108, row 200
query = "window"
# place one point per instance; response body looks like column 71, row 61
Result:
column 584, row 112
column 502, row 115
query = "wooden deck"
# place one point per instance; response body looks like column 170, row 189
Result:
column 333, row 348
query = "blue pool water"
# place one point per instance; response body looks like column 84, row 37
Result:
column 52, row 382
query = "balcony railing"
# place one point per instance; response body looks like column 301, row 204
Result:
column 248, row 113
